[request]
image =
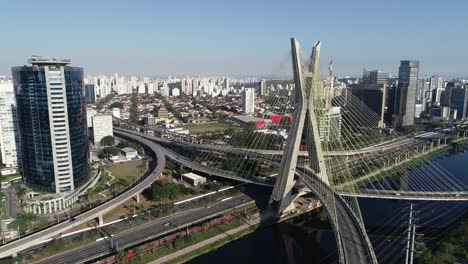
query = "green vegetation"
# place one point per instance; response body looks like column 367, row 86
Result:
column 454, row 248
column 104, row 101
column 183, row 242
column 108, row 152
column 214, row 127
column 116, row 105
column 213, row 246
column 128, row 170
column 134, row 115
column 3, row 212
column 23, row 222
column 248, row 138
column 9, row 177
column 108, row 141
column 164, row 189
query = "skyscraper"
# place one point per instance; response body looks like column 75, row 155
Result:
column 52, row 124
column 8, row 137
column 90, row 93
column 248, row 101
column 406, row 94
column 372, row 91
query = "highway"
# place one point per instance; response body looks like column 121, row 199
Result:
column 353, row 243
column 179, row 159
column 146, row 232
column 16, row 246
column 406, row 195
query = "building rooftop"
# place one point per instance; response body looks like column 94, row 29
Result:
column 248, row 119
column 41, row 60
column 192, row 176
column 126, row 150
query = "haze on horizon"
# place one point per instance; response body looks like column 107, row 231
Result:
column 242, row 37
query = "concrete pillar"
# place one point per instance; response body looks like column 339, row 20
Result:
column 445, row 140
column 438, row 142
column 100, row 220
column 137, row 197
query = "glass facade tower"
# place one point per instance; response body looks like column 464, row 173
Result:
column 51, row 115
column 405, row 103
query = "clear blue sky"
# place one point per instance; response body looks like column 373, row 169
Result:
column 246, row 37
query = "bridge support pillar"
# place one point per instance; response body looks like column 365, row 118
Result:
column 100, row 220
column 438, row 142
column 445, row 140
column 137, row 197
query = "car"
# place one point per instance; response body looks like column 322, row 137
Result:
column 167, row 224
column 72, row 219
column 397, row 194
column 457, row 195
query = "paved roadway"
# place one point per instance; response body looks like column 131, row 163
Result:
column 12, row 201
column 353, row 244
column 21, row 244
column 145, row 232
column 179, row 159
column 407, row 195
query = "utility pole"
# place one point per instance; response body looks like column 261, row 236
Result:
column 410, row 239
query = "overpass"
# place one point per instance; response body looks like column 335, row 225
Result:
column 406, row 195
column 354, row 246
column 12, row 248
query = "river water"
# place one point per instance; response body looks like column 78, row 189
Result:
column 309, row 239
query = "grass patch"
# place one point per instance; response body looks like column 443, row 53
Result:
column 127, row 170
column 10, row 177
column 206, row 128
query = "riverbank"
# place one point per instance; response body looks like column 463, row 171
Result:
column 404, row 164
column 253, row 223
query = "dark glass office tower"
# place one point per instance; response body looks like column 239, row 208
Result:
column 51, row 115
column 405, row 102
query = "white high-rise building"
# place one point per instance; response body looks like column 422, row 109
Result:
column 102, row 127
column 150, row 88
column 165, row 91
column 175, row 92
column 248, row 101
column 7, row 124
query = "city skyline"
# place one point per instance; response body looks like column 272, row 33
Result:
column 235, row 39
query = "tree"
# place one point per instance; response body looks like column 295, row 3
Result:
column 20, row 192
column 116, row 105
column 108, row 152
column 108, row 141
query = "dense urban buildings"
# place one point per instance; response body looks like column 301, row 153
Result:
column 51, row 124
column 8, row 139
column 406, row 94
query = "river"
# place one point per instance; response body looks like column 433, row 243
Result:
column 309, row 239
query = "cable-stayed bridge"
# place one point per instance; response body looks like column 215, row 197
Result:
column 336, row 148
